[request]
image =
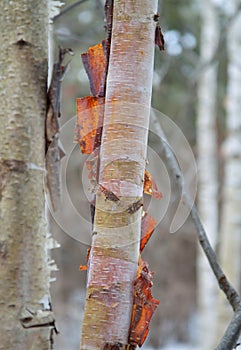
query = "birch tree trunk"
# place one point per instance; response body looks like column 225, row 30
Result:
column 115, row 246
column 230, row 234
column 26, row 318
column 207, row 166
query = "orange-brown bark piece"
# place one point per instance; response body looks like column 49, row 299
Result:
column 85, row 267
column 148, row 224
column 90, row 113
column 90, row 109
column 150, row 186
column 95, row 63
column 144, row 305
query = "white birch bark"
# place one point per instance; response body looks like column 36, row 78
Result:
column 230, row 231
column 207, row 171
column 115, row 246
column 26, row 318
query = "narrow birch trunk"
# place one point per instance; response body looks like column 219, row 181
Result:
column 207, row 171
column 230, row 233
column 115, row 247
column 26, row 317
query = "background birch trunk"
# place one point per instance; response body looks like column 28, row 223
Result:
column 115, row 246
column 208, row 167
column 26, row 318
column 230, row 232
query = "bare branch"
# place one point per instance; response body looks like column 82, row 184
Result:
column 69, row 8
column 223, row 282
column 231, row 335
column 99, row 7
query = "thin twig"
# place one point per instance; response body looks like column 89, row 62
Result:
column 223, row 282
column 99, row 7
column 233, row 331
column 69, row 8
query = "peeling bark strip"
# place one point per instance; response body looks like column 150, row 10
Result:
column 148, row 224
column 144, row 305
column 88, row 130
column 54, row 152
column 95, row 62
column 54, row 95
column 36, row 315
column 90, row 114
column 150, row 186
column 126, row 58
column 109, row 4
column 159, row 38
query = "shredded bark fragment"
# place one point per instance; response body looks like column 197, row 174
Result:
column 54, row 152
column 94, row 61
column 85, row 267
column 109, row 18
column 35, row 315
column 144, row 305
column 150, row 186
column 148, row 224
column 88, row 130
column 159, row 38
column 107, row 42
column 52, row 164
column 156, row 17
column 54, row 95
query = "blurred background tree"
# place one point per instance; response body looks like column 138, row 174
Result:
column 207, row 167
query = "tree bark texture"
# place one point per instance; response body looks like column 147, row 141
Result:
column 26, row 317
column 115, row 246
column 207, row 170
column 230, row 232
